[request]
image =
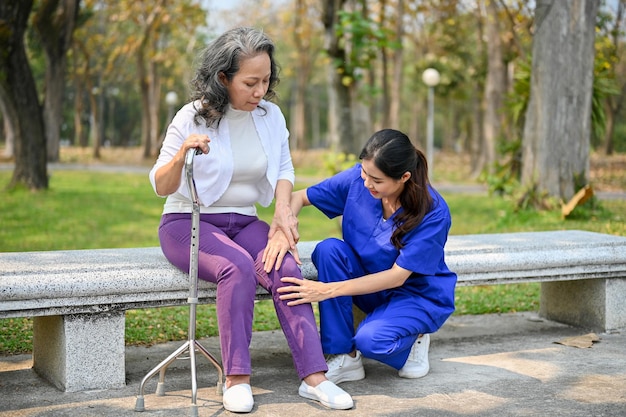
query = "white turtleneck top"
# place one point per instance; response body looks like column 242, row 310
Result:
column 249, row 166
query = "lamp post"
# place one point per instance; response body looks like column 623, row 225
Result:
column 431, row 78
column 171, row 99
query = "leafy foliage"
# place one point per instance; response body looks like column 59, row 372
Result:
column 504, row 179
column 335, row 162
column 603, row 86
column 362, row 38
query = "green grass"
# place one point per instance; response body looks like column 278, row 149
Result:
column 103, row 210
column 80, row 210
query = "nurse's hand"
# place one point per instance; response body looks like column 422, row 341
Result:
column 275, row 251
column 303, row 291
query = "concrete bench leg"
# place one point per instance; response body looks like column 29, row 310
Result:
column 596, row 304
column 81, row 351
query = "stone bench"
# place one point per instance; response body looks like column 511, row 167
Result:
column 78, row 298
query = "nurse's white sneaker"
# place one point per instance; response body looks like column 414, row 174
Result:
column 417, row 365
column 344, row 368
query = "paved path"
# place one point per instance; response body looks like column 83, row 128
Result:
column 485, row 366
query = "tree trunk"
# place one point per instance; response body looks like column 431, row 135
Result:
column 476, row 140
column 149, row 85
column 9, row 131
column 495, row 86
column 414, row 130
column 339, row 103
column 616, row 104
column 18, row 93
column 94, row 123
column 361, row 123
column 610, row 131
column 360, row 112
column 144, row 88
column 451, row 127
column 298, row 123
column 155, row 105
column 556, row 137
column 80, row 138
column 55, row 21
column 384, row 72
column 398, row 67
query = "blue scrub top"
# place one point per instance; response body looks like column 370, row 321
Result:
column 369, row 235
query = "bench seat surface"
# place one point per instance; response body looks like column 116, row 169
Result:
column 78, row 281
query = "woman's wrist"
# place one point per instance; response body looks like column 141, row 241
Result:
column 283, row 204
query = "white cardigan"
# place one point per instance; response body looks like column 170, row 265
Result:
column 213, row 171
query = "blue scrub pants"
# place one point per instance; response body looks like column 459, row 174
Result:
column 394, row 318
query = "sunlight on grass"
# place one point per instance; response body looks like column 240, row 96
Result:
column 81, row 210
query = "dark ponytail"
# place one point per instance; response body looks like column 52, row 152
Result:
column 393, row 153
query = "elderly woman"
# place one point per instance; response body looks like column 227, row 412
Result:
column 248, row 162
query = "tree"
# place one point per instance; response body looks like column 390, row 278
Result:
column 304, row 51
column 556, row 138
column 339, row 103
column 18, row 94
column 352, row 41
column 450, row 37
column 91, row 51
column 155, row 30
column 495, row 87
column 615, row 102
column 398, row 67
column 124, row 55
column 54, row 22
column 9, row 130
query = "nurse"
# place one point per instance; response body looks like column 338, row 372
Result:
column 390, row 262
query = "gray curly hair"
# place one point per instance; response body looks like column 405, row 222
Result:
column 224, row 55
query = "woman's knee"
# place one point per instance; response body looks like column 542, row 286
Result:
column 290, row 268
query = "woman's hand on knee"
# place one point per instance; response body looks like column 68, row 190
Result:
column 276, row 250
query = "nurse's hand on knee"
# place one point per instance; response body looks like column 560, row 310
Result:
column 291, row 293
column 302, row 291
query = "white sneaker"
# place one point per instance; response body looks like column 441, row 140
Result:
column 416, row 365
column 328, row 394
column 344, row 368
column 238, row 398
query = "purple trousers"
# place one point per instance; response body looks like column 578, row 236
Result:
column 230, row 255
